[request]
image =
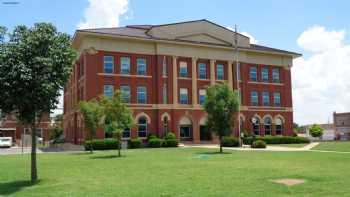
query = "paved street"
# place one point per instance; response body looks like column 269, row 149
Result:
column 16, row 150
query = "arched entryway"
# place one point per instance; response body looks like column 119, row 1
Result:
column 279, row 125
column 204, row 133
column 267, row 125
column 256, row 125
column 185, row 129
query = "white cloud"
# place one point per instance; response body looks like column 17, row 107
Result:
column 317, row 39
column 321, row 82
column 104, row 13
column 251, row 38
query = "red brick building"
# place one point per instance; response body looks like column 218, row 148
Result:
column 10, row 127
column 163, row 71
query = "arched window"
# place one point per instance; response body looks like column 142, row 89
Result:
column 256, row 125
column 267, row 125
column 241, row 124
column 165, row 125
column 279, row 126
column 142, row 127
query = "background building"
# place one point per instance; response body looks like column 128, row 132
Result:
column 164, row 70
column 342, row 125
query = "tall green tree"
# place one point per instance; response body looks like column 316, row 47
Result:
column 92, row 113
column 35, row 64
column 117, row 116
column 221, row 104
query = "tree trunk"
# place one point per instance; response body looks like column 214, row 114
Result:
column 34, row 173
column 91, row 141
column 119, row 144
column 221, row 144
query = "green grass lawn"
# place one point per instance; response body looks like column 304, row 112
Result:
column 289, row 145
column 182, row 172
column 343, row 146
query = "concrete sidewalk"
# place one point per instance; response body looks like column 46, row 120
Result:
column 268, row 148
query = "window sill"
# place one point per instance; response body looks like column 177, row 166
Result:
column 184, row 78
column 124, row 75
column 265, row 83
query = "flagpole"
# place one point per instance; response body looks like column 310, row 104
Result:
column 238, row 88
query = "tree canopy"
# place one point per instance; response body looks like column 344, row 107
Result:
column 221, row 104
column 316, row 130
column 35, row 64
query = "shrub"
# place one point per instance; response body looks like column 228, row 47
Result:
column 170, row 135
column 170, row 143
column 151, row 136
column 155, row 142
column 102, row 144
column 277, row 140
column 316, row 130
column 135, row 143
column 229, row 142
column 259, row 144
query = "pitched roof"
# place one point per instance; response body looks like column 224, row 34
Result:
column 141, row 31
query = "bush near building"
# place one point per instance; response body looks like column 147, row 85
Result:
column 135, row 143
column 102, row 144
column 229, row 142
column 259, row 144
column 277, row 140
column 155, row 142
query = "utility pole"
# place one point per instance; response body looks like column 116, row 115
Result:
column 238, row 86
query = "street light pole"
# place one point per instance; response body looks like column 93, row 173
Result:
column 238, row 86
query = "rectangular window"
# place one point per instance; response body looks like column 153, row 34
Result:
column 141, row 66
column 266, row 98
column 265, row 75
column 254, row 98
column 125, row 93
column 165, row 69
column 239, row 71
column 108, row 64
column 202, row 94
column 165, row 95
column 126, row 133
column 220, row 72
column 276, row 75
column 277, row 99
column 202, row 71
column 108, row 90
column 141, row 94
column 252, row 74
column 125, row 65
column 183, row 95
column 183, row 69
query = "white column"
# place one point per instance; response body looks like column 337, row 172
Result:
column 212, row 72
column 194, row 81
column 174, row 80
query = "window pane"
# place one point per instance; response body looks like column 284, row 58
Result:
column 141, row 94
column 183, row 96
column 165, row 69
column 220, row 72
column 108, row 90
column 202, row 71
column 202, row 96
column 165, row 94
column 277, row 99
column 125, row 93
column 265, row 75
column 125, row 65
column 108, row 64
column 142, row 127
column 276, row 75
column 183, row 69
column 266, row 98
column 254, row 98
column 239, row 71
column 126, row 133
column 141, row 66
column 252, row 74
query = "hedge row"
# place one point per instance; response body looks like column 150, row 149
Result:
column 102, row 144
column 229, row 142
column 277, row 140
column 259, row 144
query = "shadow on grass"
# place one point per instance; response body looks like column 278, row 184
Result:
column 212, row 153
column 106, row 156
column 81, row 153
column 15, row 186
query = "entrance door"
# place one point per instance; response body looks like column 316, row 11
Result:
column 186, row 132
column 205, row 134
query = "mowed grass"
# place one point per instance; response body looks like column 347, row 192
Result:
column 289, row 145
column 342, row 146
column 182, row 172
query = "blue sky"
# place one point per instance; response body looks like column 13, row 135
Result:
column 275, row 23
